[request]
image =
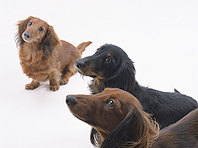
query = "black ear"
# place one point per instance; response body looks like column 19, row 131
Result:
column 21, row 28
column 50, row 41
column 136, row 130
column 124, row 77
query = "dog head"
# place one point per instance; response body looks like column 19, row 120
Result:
column 111, row 65
column 37, row 31
column 103, row 63
column 116, row 115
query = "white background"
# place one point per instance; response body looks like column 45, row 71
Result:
column 161, row 37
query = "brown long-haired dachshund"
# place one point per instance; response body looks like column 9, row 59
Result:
column 43, row 56
column 119, row 119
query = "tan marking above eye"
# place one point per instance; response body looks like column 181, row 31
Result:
column 108, row 54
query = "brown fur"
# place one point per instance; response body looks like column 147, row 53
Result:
column 183, row 133
column 43, row 56
column 126, row 125
column 123, row 125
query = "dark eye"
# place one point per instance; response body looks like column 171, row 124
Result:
column 41, row 29
column 30, row 23
column 108, row 60
column 110, row 104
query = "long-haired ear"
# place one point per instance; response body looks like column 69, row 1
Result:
column 50, row 41
column 21, row 28
column 124, row 77
column 136, row 130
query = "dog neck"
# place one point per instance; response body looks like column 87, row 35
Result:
column 97, row 85
column 102, row 137
column 30, row 53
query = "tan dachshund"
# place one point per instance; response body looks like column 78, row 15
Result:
column 43, row 56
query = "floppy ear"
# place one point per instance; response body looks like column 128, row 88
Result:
column 124, row 77
column 136, row 130
column 50, row 41
column 21, row 28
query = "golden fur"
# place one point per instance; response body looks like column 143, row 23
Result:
column 43, row 56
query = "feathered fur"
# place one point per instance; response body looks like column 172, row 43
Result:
column 122, row 125
column 110, row 67
column 120, row 122
column 43, row 55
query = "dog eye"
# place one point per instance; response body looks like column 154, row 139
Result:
column 41, row 29
column 110, row 104
column 30, row 23
column 108, row 60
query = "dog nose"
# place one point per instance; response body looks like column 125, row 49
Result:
column 80, row 64
column 27, row 34
column 70, row 100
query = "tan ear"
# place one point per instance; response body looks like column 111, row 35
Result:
column 21, row 28
column 50, row 42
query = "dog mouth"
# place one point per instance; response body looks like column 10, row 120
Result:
column 92, row 74
column 92, row 123
column 80, row 71
column 26, row 40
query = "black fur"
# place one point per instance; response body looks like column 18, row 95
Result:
column 119, row 72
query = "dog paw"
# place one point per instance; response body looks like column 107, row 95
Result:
column 63, row 81
column 54, row 87
column 32, row 85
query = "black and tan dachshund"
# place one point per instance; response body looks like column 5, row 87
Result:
column 110, row 67
column 119, row 119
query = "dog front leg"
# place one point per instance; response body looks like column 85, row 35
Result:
column 53, row 81
column 65, row 78
column 34, row 84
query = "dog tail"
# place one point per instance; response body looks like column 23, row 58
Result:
column 81, row 47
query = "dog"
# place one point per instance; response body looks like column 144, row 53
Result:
column 43, row 56
column 120, row 120
column 111, row 67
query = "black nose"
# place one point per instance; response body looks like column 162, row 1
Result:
column 27, row 34
column 80, row 64
column 70, row 100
